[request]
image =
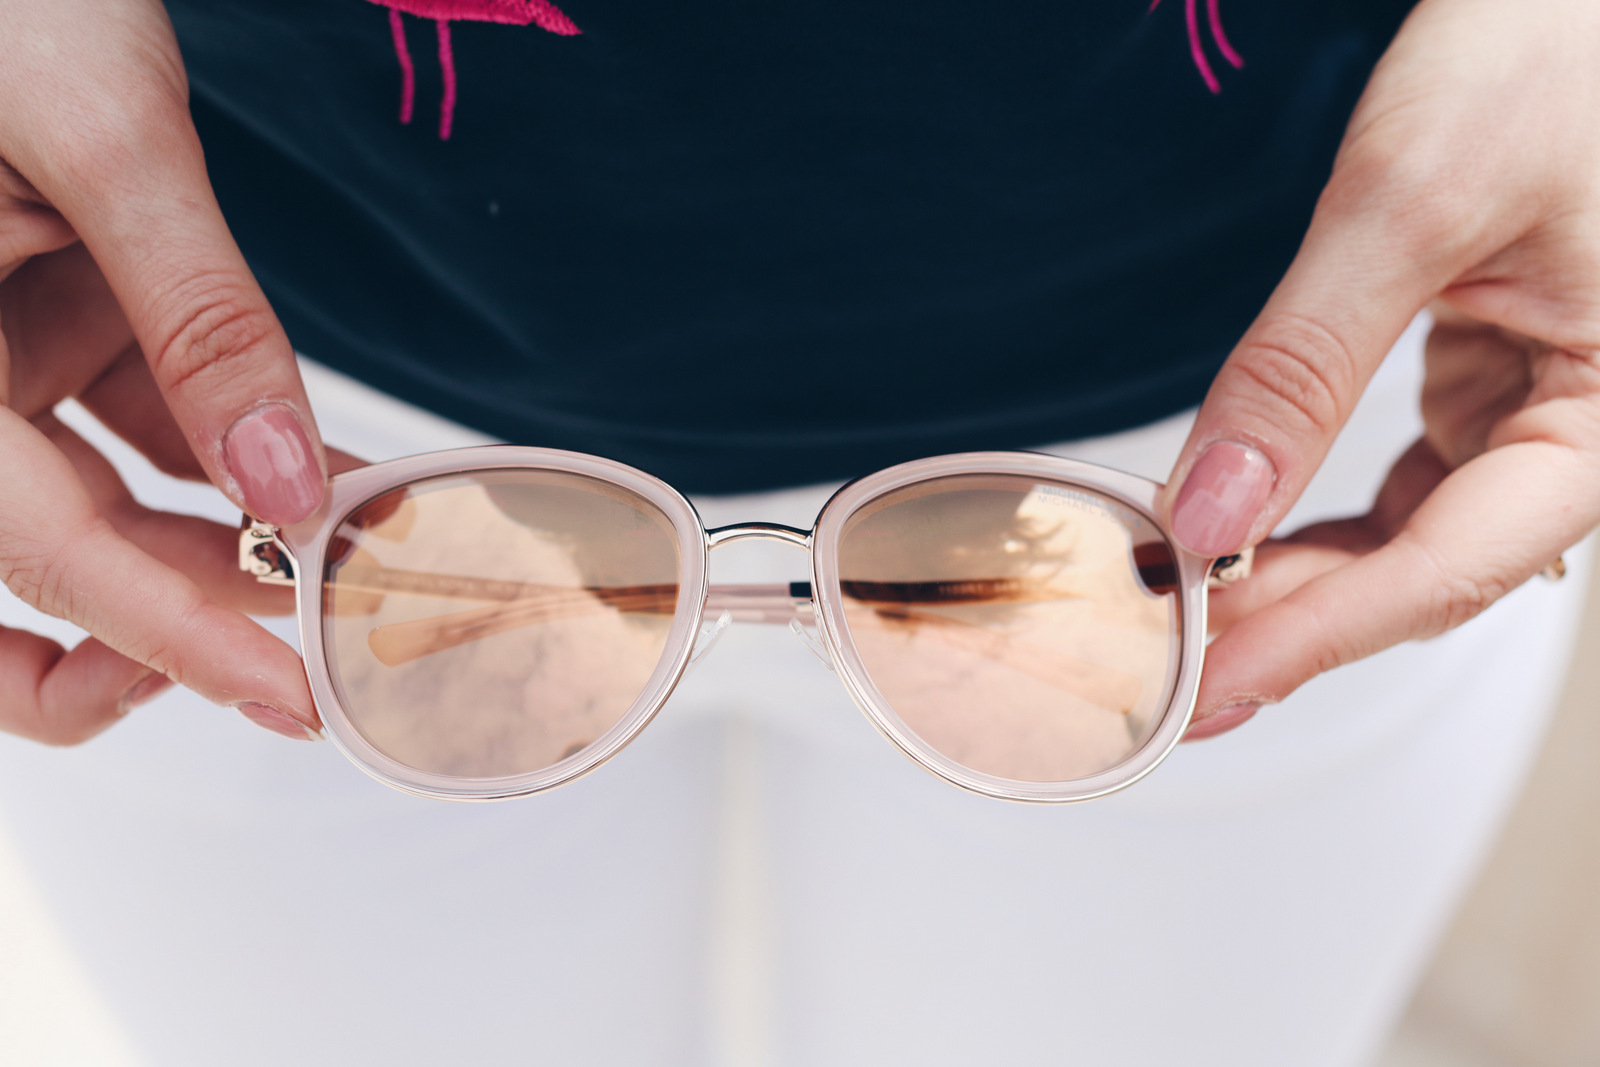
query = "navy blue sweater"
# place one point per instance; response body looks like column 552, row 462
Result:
column 745, row 245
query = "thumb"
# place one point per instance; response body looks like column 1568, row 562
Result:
column 122, row 163
column 1274, row 409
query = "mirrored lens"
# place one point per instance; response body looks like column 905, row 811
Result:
column 494, row 623
column 1023, row 629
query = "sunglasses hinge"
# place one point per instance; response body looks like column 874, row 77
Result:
column 260, row 554
column 1229, row 569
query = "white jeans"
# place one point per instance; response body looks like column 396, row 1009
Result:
column 760, row 879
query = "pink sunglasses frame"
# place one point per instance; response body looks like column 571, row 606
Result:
column 276, row 555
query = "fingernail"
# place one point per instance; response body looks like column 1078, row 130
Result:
column 270, row 456
column 1220, row 721
column 143, row 691
column 276, row 721
column 1221, row 499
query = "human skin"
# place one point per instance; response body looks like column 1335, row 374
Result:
column 122, row 287
column 1470, row 177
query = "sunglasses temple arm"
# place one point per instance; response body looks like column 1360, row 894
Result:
column 402, row 642
column 775, row 605
column 769, row 604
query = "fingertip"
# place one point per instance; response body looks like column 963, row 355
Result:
column 1220, row 722
column 279, row 722
column 1222, row 498
column 261, row 670
column 271, row 460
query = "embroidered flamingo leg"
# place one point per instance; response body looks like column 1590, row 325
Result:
column 542, row 13
column 447, row 63
column 408, row 72
column 1221, row 38
column 1191, row 16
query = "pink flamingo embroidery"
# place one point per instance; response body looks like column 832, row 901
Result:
column 1192, row 16
column 541, row 13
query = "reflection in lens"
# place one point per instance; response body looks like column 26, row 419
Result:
column 1020, row 628
column 492, row 624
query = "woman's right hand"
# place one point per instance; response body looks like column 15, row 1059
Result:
column 121, row 285
column 1469, row 179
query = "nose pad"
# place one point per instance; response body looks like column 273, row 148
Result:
column 809, row 639
column 710, row 634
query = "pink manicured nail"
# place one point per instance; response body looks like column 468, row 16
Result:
column 1220, row 721
column 144, row 690
column 1222, row 498
column 277, row 721
column 270, row 457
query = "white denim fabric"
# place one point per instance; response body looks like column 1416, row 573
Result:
column 760, row 878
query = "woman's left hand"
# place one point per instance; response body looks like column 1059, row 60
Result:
column 1469, row 178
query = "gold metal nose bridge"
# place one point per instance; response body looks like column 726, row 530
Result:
column 787, row 605
column 758, row 531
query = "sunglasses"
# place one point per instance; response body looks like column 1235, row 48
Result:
column 492, row 622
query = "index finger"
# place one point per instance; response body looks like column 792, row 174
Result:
column 1290, row 385
column 58, row 554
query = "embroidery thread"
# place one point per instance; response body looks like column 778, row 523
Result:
column 541, row 13
column 1197, row 49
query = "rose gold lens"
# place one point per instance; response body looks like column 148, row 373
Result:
column 492, row 624
column 1020, row 628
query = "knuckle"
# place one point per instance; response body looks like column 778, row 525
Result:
column 213, row 337
column 1303, row 372
column 1384, row 165
column 1332, row 646
column 1456, row 602
column 1453, row 598
column 171, row 648
column 107, row 141
column 1411, row 190
column 38, row 576
column 42, row 573
column 161, row 657
column 85, row 153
